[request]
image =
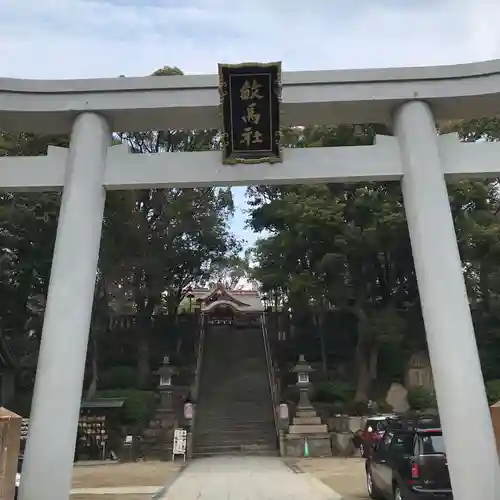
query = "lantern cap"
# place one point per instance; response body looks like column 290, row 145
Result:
column 302, row 366
column 166, row 369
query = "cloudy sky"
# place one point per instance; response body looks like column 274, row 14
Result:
column 105, row 38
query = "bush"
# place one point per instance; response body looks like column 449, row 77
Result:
column 118, row 377
column 493, row 390
column 420, row 398
column 383, row 406
column 358, row 409
column 138, row 407
column 334, row 391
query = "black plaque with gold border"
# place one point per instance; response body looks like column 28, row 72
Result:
column 250, row 96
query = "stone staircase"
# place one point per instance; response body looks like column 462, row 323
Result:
column 234, row 408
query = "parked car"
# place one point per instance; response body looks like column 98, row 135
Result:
column 409, row 463
column 373, row 431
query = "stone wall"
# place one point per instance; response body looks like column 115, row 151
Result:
column 318, row 446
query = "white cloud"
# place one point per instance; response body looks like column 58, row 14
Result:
column 102, row 38
column 89, row 38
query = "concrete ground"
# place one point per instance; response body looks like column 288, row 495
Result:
column 133, row 481
column 246, row 478
column 241, row 478
column 111, row 497
column 124, row 475
column 344, row 475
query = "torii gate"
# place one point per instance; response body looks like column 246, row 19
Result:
column 408, row 99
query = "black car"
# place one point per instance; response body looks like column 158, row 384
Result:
column 409, row 463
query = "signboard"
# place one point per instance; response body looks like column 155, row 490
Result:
column 250, row 105
column 180, row 443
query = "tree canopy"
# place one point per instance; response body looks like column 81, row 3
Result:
column 335, row 260
column 345, row 249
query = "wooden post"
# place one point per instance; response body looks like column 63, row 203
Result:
column 10, row 434
column 495, row 418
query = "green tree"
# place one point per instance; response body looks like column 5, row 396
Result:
column 173, row 237
column 27, row 235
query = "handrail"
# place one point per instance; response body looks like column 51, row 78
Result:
column 270, row 374
column 197, row 375
column 199, row 356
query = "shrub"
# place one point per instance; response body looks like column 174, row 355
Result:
column 359, row 409
column 420, row 398
column 118, row 377
column 138, row 407
column 493, row 390
column 334, row 391
column 383, row 406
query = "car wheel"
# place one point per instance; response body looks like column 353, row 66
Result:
column 398, row 494
column 370, row 487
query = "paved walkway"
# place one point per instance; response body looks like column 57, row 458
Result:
column 125, row 490
column 345, row 475
column 246, row 478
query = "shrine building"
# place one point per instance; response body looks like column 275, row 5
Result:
column 220, row 306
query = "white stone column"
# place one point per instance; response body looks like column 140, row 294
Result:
column 48, row 461
column 463, row 407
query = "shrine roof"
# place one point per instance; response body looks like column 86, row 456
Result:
column 103, row 403
column 241, row 300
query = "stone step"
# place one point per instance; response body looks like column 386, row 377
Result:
column 256, row 414
column 235, row 449
column 226, row 408
column 237, row 442
column 243, row 432
column 217, row 421
column 307, row 421
column 261, row 430
column 234, row 408
column 220, row 384
column 236, row 395
column 233, row 453
column 222, row 411
column 262, row 419
column 213, row 426
column 306, row 413
column 235, row 420
column 223, row 387
column 308, row 429
column 230, row 402
column 269, row 444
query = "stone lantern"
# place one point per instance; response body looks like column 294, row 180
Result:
column 307, row 436
column 303, row 369
column 165, row 386
column 265, row 302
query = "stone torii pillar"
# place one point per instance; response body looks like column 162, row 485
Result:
column 48, row 460
column 463, row 406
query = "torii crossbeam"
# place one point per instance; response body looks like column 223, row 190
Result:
column 410, row 100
